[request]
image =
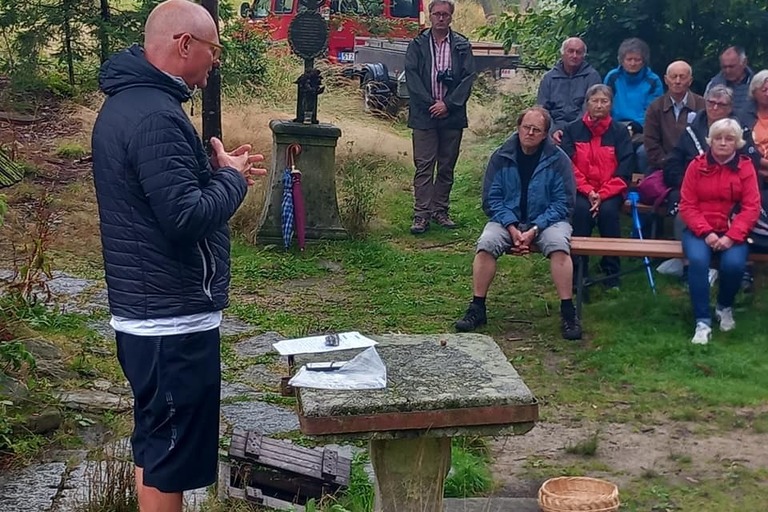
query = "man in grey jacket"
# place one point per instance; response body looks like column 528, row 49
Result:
column 563, row 87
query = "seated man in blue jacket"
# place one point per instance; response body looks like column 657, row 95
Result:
column 528, row 195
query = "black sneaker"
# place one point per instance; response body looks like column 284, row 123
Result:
column 420, row 225
column 473, row 318
column 570, row 328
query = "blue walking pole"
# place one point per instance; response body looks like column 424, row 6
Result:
column 634, row 197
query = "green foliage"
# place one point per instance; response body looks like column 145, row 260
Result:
column 693, row 31
column 361, row 188
column 14, row 355
column 244, row 61
column 586, row 447
column 70, row 150
column 470, row 475
column 538, row 32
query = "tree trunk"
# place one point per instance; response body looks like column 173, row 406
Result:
column 212, row 92
column 68, row 48
column 103, row 33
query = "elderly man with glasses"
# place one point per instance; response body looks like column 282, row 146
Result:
column 528, row 195
column 163, row 209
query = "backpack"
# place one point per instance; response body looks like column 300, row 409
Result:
column 652, row 189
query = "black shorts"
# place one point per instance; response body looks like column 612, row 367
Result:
column 176, row 382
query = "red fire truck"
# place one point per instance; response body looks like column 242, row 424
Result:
column 347, row 19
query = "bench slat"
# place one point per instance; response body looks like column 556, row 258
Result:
column 593, row 246
column 628, row 247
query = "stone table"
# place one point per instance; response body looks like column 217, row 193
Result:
column 438, row 387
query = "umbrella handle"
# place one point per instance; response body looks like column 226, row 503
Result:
column 291, row 152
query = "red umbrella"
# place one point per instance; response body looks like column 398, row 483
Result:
column 299, row 213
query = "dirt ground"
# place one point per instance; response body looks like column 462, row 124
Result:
column 670, row 449
column 625, row 452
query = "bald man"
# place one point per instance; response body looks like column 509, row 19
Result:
column 163, row 208
column 668, row 115
column 562, row 89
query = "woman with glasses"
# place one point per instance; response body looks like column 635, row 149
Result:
column 603, row 159
column 693, row 142
column 720, row 204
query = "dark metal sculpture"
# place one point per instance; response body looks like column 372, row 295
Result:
column 308, row 37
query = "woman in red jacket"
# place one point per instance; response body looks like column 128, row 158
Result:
column 603, row 160
column 715, row 185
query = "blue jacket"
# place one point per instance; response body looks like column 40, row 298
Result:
column 551, row 191
column 163, row 210
column 633, row 94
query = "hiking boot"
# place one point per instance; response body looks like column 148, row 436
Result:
column 420, row 226
column 473, row 318
column 702, row 335
column 570, row 328
column 725, row 317
column 444, row 220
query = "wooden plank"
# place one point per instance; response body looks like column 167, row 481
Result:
column 266, row 456
column 588, row 246
column 420, row 420
column 253, row 447
column 254, row 495
column 330, row 461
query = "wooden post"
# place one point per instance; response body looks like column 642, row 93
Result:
column 212, row 92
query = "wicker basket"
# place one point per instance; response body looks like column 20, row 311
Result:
column 578, row 494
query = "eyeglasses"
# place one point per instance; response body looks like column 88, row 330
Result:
column 217, row 48
column 529, row 128
column 717, row 104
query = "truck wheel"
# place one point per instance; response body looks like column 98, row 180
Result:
column 376, row 96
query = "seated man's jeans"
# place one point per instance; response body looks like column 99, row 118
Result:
column 732, row 263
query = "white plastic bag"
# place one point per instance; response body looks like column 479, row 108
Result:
column 364, row 371
column 671, row 267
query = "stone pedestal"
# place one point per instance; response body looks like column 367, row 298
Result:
column 438, row 387
column 410, row 473
column 318, row 181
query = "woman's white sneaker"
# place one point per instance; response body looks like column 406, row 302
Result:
column 702, row 335
column 725, row 317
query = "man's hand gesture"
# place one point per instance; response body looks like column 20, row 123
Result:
column 239, row 159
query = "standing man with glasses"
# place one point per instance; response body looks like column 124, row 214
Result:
column 163, row 209
column 528, row 195
column 439, row 72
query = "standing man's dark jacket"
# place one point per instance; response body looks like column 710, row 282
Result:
column 418, row 78
column 563, row 94
column 685, row 150
column 163, row 209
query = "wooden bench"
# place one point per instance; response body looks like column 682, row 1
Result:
column 626, row 247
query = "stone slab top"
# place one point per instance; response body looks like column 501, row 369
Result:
column 286, row 127
column 457, row 383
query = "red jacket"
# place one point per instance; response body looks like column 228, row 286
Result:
column 602, row 155
column 710, row 192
